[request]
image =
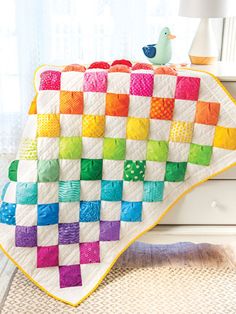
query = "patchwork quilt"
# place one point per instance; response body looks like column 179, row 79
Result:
column 107, row 150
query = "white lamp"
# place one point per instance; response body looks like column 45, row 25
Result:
column 204, row 48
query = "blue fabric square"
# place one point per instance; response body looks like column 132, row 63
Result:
column 90, row 211
column 8, row 213
column 153, row 191
column 26, row 193
column 112, row 190
column 48, row 214
column 69, row 191
column 131, row 211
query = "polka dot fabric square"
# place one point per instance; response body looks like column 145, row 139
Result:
column 162, row 108
column 181, row 131
column 95, row 82
column 141, row 84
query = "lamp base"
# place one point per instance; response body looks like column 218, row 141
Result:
column 202, row 60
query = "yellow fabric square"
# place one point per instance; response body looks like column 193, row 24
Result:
column 93, row 126
column 181, row 131
column 225, row 138
column 48, row 125
column 137, row 128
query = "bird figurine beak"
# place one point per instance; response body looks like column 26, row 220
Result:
column 170, row 36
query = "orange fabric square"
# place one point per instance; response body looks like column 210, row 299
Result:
column 33, row 106
column 71, row 102
column 207, row 112
column 162, row 108
column 117, row 104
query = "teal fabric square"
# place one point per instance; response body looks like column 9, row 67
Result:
column 153, row 191
column 48, row 170
column 69, row 191
column 90, row 211
column 26, row 193
column 131, row 211
column 112, row 190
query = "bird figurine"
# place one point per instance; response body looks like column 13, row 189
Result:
column 161, row 52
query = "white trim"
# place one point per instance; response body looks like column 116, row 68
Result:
column 229, row 42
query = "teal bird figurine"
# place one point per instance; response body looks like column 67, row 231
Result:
column 161, row 52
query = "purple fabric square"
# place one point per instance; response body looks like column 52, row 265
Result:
column 95, row 82
column 89, row 252
column 50, row 80
column 69, row 233
column 187, row 88
column 70, row 276
column 47, row 256
column 141, row 84
column 109, row 230
column 26, row 236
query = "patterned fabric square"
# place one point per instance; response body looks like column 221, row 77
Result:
column 48, row 101
column 109, row 230
column 89, row 252
column 47, row 256
column 48, row 125
column 175, row 171
column 48, row 148
column 185, row 110
column 95, row 82
column 187, row 87
column 207, row 112
column 26, row 193
column 91, row 169
column 8, row 213
column 90, row 211
column 93, row 126
column 47, row 235
column 70, row 276
column 71, row 102
column 70, row 147
column 69, row 191
column 50, row 80
column 69, row 254
column 115, row 127
column 153, row 191
column 225, row 138
column 200, row 154
column 26, row 236
column 48, row 170
column 181, row 131
column 13, row 170
column 141, row 84
column 68, row 233
column 71, row 125
column 48, row 214
column 114, row 148
column 28, row 149
column 90, row 190
column 110, row 210
column 111, row 190
column 162, row 108
column 131, row 211
column 139, row 107
column 157, row 150
column 137, row 128
column 25, row 215
column 117, row 104
column 134, row 170
column 69, row 212
column 69, row 169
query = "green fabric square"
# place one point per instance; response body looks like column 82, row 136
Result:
column 134, row 170
column 69, row 191
column 70, row 147
column 114, row 148
column 175, row 171
column 91, row 169
column 48, row 170
column 157, row 150
column 200, row 154
column 12, row 172
column 26, row 193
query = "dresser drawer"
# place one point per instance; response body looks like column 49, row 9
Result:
column 213, row 202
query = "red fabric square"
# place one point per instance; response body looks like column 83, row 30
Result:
column 50, row 80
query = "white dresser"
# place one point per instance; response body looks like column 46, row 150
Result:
column 208, row 213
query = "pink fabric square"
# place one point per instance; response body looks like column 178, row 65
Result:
column 50, row 80
column 89, row 252
column 70, row 276
column 47, row 256
column 187, row 88
column 141, row 84
column 95, row 82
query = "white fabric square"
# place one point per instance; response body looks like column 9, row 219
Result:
column 69, row 212
column 94, row 103
column 48, row 101
column 132, row 191
column 164, row 86
column 26, row 215
column 30, row 128
column 184, row 110
column 203, row 134
column 206, row 84
column 136, row 150
column 115, row 127
column 159, row 129
column 47, row 235
column 27, row 171
column 170, row 187
column 92, row 147
column 89, row 231
column 90, row 190
column 178, row 151
column 118, row 83
column 69, row 169
column 110, row 211
column 69, row 254
column 155, row 171
column 113, row 169
column 47, row 192
column 48, row 148
column 71, row 125
column 139, row 106
column 72, row 81
column 10, row 195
